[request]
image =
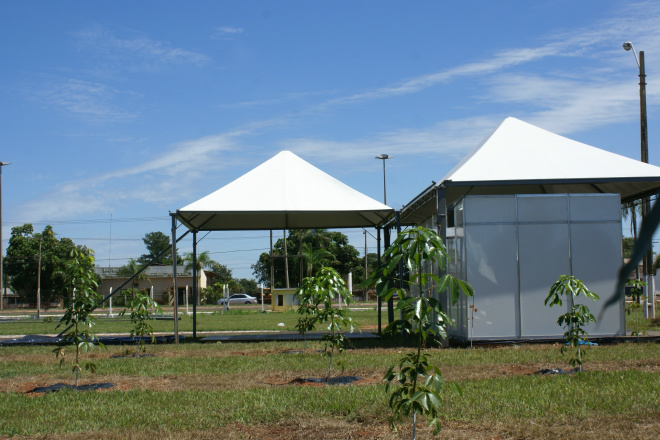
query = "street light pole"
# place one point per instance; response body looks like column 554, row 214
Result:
column 390, row 302
column 2, row 275
column 384, row 157
column 647, row 262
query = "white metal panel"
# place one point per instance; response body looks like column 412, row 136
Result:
column 489, row 209
column 596, row 207
column 542, row 208
column 543, row 250
column 596, row 255
column 491, row 270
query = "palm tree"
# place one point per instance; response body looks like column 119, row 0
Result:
column 632, row 209
column 204, row 261
column 130, row 269
column 315, row 258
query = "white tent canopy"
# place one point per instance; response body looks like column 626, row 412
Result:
column 285, row 192
column 520, row 158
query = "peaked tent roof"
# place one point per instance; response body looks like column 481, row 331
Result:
column 285, row 192
column 520, row 158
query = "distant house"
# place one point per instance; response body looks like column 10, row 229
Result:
column 9, row 299
column 160, row 280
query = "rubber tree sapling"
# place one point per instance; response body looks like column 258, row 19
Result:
column 316, row 296
column 143, row 309
column 80, row 272
column 636, row 293
column 578, row 315
column 416, row 385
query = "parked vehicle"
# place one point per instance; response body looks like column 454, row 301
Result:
column 238, row 298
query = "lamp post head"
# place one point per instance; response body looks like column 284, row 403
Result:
column 2, row 164
column 384, row 156
column 627, row 46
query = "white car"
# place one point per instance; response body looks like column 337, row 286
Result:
column 238, row 298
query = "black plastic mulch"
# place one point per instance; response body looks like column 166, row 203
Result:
column 131, row 355
column 106, row 340
column 558, row 371
column 63, row 386
column 339, row 380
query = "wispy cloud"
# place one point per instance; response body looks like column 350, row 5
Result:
column 640, row 21
column 226, row 32
column 162, row 180
column 83, row 98
column 446, row 141
column 135, row 52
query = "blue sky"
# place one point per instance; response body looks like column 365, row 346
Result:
column 116, row 113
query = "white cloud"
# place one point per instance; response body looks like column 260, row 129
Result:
column 134, row 52
column 83, row 98
column 446, row 141
column 166, row 178
column 226, row 31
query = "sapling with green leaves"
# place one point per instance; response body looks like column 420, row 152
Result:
column 307, row 322
column 78, row 316
column 316, row 296
column 636, row 294
column 416, row 385
column 576, row 318
column 143, row 309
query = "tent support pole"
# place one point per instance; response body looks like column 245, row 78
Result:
column 378, row 298
column 272, row 271
column 195, row 284
column 175, row 290
column 441, row 220
column 390, row 302
column 398, row 231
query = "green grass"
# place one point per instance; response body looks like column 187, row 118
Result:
column 636, row 321
column 629, row 389
column 513, row 399
column 233, row 320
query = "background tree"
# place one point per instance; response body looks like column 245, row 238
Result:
column 223, row 272
column 248, row 286
column 155, row 243
column 20, row 264
column 627, row 244
column 344, row 258
column 315, row 258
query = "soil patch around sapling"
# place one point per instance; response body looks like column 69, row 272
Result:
column 546, row 371
column 338, row 380
column 63, row 386
column 132, row 355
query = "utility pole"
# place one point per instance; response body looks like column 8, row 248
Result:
column 2, row 275
column 647, row 261
column 39, row 282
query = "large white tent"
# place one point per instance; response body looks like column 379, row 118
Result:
column 522, row 208
column 284, row 192
column 520, row 158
